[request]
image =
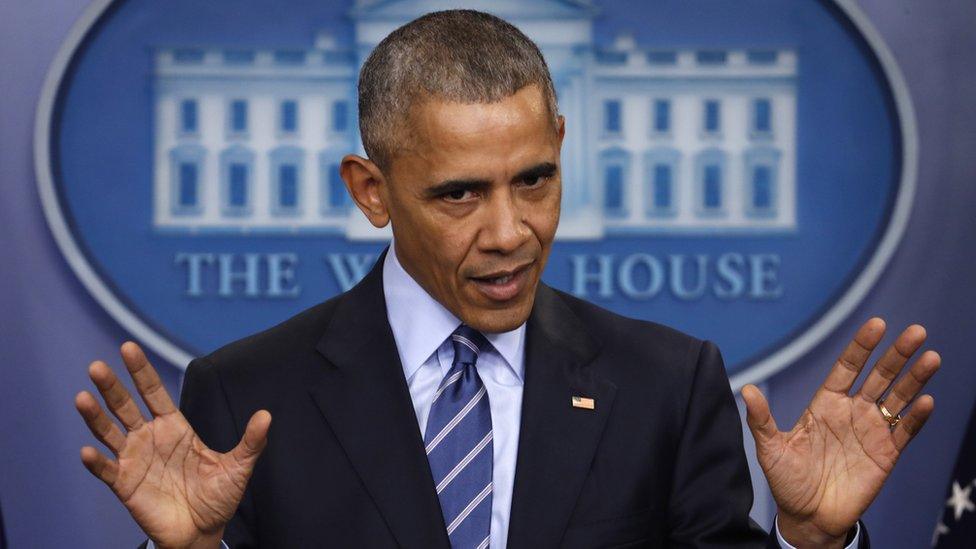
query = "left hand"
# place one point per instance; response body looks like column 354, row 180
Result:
column 825, row 471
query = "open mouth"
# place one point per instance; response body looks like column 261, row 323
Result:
column 503, row 285
column 499, row 279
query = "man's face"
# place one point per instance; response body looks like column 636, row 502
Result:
column 474, row 204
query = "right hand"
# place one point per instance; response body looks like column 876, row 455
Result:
column 179, row 491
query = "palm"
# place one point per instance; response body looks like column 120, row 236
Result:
column 174, row 485
column 831, row 465
column 177, row 489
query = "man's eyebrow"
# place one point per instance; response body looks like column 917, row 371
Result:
column 453, row 185
column 544, row 169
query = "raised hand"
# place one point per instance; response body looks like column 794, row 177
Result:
column 825, row 471
column 179, row 491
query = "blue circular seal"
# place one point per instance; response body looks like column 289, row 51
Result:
column 741, row 171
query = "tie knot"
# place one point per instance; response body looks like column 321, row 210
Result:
column 468, row 343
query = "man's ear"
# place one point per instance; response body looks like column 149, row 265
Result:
column 561, row 129
column 366, row 185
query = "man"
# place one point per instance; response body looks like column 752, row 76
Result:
column 451, row 399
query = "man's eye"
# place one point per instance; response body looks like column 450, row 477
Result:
column 458, row 195
column 535, row 181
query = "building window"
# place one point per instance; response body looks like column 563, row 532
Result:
column 662, row 116
column 188, row 117
column 712, row 196
column 661, row 170
column 611, row 57
column 712, row 122
column 237, row 192
column 710, row 169
column 762, row 116
column 289, row 57
column 187, row 197
column 340, row 116
column 615, row 167
column 337, row 189
column 762, row 57
column 612, row 123
column 711, row 57
column 237, row 117
column 762, row 191
column 237, row 167
column 341, row 57
column 188, row 56
column 761, row 167
column 613, row 177
column 662, row 187
column 662, row 57
column 286, row 180
column 238, row 57
column 287, row 186
column 186, row 173
column 334, row 198
column 288, row 116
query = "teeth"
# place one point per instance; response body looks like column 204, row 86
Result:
column 501, row 279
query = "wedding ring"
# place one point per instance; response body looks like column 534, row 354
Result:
column 892, row 419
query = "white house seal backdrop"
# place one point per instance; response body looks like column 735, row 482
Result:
column 741, row 171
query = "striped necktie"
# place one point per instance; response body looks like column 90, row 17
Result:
column 458, row 444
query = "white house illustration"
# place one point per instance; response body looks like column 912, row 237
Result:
column 680, row 140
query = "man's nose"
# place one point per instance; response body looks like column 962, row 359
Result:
column 505, row 227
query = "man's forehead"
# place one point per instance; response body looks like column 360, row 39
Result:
column 441, row 119
column 447, row 139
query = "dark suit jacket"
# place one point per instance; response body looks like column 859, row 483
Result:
column 658, row 462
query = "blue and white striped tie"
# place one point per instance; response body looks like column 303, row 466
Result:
column 458, row 443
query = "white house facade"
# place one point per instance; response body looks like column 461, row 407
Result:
column 658, row 140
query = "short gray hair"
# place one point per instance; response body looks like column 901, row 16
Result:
column 465, row 56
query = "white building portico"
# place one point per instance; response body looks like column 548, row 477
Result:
column 688, row 140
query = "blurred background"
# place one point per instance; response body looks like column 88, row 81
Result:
column 765, row 174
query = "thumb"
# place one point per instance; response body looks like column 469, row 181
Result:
column 760, row 420
column 254, row 440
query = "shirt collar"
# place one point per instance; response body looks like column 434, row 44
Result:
column 407, row 301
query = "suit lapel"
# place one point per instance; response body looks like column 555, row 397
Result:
column 557, row 441
column 367, row 405
column 365, row 401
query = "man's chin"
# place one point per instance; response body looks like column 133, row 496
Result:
column 491, row 312
column 492, row 321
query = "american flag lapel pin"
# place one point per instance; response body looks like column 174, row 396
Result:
column 583, row 402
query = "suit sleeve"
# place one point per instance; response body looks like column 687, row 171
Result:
column 204, row 403
column 711, row 493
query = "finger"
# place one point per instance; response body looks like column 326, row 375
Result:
column 147, row 380
column 97, row 464
column 758, row 416
column 891, row 363
column 254, row 440
column 912, row 423
column 851, row 361
column 116, row 396
column 911, row 383
column 104, row 429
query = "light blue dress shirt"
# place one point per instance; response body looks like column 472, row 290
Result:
column 422, row 327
